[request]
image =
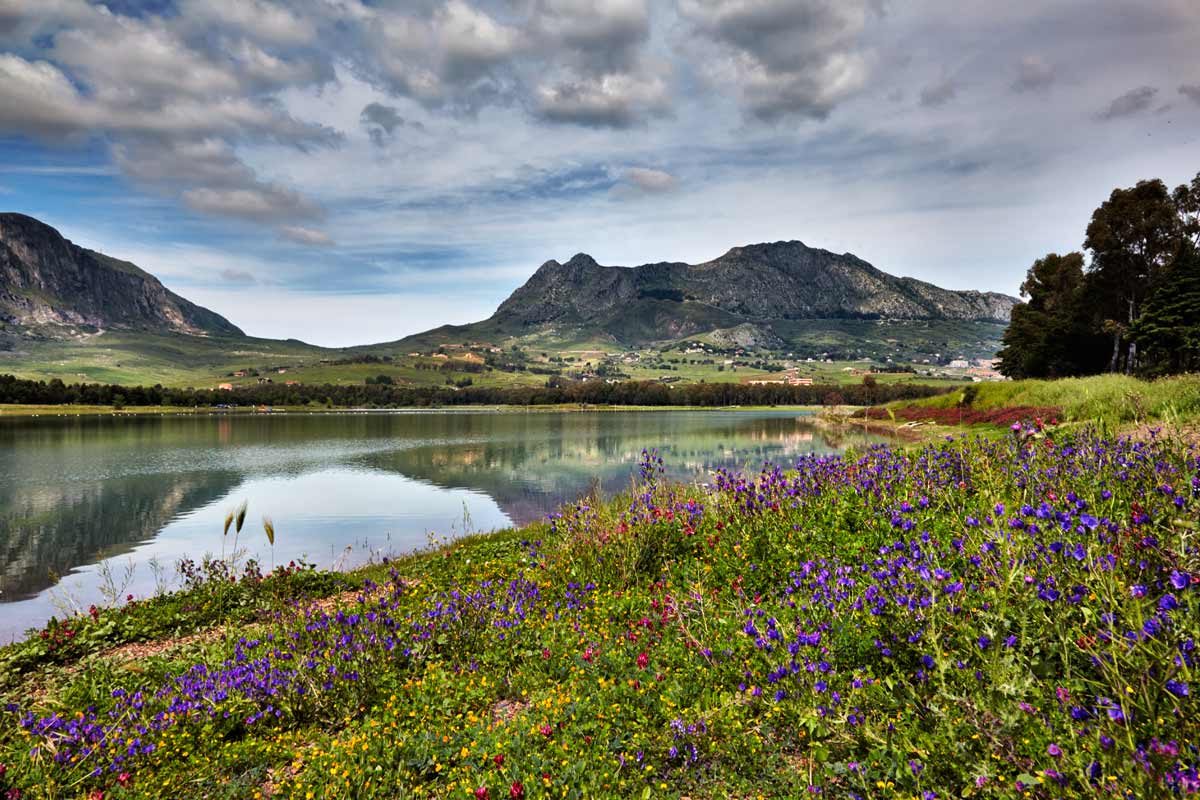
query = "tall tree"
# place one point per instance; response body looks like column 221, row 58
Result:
column 1048, row 336
column 1187, row 204
column 1168, row 330
column 1132, row 238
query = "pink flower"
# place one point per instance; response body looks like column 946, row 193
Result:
column 642, row 660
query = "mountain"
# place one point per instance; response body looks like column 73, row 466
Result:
column 51, row 287
column 751, row 296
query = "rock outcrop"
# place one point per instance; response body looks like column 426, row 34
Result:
column 50, row 286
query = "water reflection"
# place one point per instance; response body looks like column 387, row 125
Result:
column 77, row 491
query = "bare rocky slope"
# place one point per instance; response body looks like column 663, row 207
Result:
column 50, row 286
column 750, row 288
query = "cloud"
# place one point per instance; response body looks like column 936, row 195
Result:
column 1191, row 92
column 939, row 93
column 651, row 180
column 1132, row 102
column 305, row 236
column 789, row 57
column 260, row 203
column 380, row 121
column 239, row 277
column 612, row 101
column 1034, row 74
column 471, row 42
column 265, row 21
column 452, row 56
column 597, row 36
column 37, row 99
column 172, row 108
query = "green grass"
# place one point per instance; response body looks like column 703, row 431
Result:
column 971, row 625
column 1106, row 399
column 131, row 358
column 135, row 358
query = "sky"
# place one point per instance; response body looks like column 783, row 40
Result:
column 346, row 171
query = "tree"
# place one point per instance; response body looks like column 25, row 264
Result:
column 1168, row 331
column 1133, row 238
column 1049, row 336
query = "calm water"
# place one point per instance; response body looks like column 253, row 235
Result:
column 79, row 494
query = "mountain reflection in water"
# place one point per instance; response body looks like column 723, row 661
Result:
column 76, row 491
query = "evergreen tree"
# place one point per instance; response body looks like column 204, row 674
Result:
column 1168, row 331
column 1133, row 238
column 1049, row 336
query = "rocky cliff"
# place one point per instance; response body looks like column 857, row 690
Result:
column 783, row 280
column 50, row 286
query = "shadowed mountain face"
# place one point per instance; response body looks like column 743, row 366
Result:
column 50, row 286
column 757, row 286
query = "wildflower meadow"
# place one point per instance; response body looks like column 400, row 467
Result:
column 981, row 617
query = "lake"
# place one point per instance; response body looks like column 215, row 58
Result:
column 82, row 498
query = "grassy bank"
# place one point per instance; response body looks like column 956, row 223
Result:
column 1113, row 400
column 1011, row 618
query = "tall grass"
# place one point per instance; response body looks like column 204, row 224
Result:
column 1104, row 399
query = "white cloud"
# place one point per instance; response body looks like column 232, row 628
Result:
column 37, row 99
column 305, row 236
column 611, row 101
column 651, row 180
column 262, row 203
column 789, row 57
column 265, row 21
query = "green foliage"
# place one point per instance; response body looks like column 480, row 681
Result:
column 952, row 638
column 1109, row 400
column 1049, row 335
column 1142, row 243
column 1168, row 331
column 212, row 593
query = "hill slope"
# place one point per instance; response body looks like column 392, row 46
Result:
column 52, row 287
column 766, row 287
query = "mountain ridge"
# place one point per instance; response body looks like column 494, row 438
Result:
column 51, row 286
column 758, row 285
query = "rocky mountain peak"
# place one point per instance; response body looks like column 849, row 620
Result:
column 754, row 283
column 50, row 286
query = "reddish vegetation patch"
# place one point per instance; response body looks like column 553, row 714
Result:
column 969, row 416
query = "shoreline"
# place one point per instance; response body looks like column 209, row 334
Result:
column 20, row 410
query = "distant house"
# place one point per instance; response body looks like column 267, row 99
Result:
column 241, row 373
column 959, row 363
column 225, row 387
column 292, row 383
column 282, row 370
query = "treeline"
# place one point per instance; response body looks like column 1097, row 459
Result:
column 1130, row 302
column 55, row 392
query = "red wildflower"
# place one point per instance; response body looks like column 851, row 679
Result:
column 498, row 759
column 481, row 793
column 546, row 730
column 642, row 660
column 516, row 791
